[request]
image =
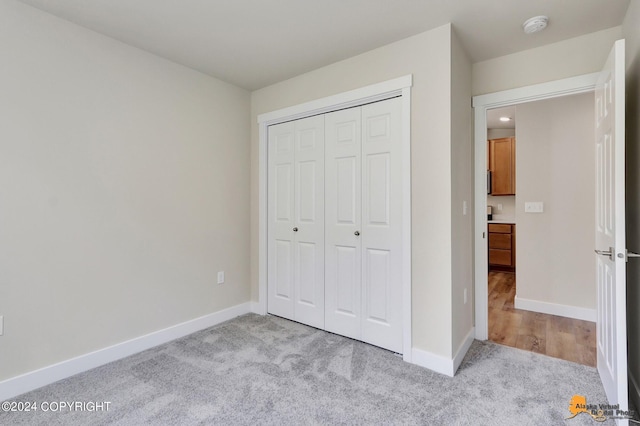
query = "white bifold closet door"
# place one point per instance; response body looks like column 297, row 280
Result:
column 296, row 221
column 363, row 223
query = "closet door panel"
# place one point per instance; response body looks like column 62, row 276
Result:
column 379, row 283
column 281, row 220
column 378, row 183
column 335, row 222
column 283, row 266
column 309, row 220
column 343, row 211
column 346, row 196
column 381, row 234
column 347, row 269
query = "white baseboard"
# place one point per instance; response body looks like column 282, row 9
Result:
column 634, row 390
column 567, row 311
column 463, row 349
column 257, row 308
column 439, row 363
column 18, row 385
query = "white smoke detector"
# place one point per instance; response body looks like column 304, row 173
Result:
column 535, row 24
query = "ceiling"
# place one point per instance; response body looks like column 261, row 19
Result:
column 255, row 43
column 493, row 118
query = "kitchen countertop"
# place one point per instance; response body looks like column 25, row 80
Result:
column 510, row 221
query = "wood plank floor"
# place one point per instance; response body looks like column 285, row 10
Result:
column 559, row 337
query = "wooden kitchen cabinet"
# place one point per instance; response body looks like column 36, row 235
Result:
column 502, row 246
column 502, row 165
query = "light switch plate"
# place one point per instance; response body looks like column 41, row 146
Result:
column 534, row 207
column 220, row 277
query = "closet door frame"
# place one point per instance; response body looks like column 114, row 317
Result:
column 385, row 90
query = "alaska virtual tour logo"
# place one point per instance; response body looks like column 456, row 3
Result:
column 598, row 412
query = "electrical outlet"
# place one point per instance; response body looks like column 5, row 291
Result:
column 465, row 296
column 220, row 277
column 464, row 208
column 534, row 207
column 499, row 207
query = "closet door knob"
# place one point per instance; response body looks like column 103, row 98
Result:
column 356, row 233
column 295, row 229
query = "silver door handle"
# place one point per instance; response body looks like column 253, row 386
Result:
column 295, row 229
column 628, row 255
column 609, row 252
column 356, row 233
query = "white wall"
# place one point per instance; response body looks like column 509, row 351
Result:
column 508, row 203
column 568, row 58
column 428, row 57
column 631, row 30
column 500, row 133
column 461, row 192
column 555, row 165
column 125, row 187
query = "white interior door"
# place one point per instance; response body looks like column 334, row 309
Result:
column 610, row 228
column 363, row 270
column 280, row 297
column 296, row 221
column 343, row 189
column 308, row 256
column 381, row 233
column 348, row 280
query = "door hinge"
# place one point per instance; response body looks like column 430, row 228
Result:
column 483, row 235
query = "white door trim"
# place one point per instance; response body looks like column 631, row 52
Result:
column 482, row 103
column 388, row 89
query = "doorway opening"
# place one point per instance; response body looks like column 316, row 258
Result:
column 545, row 322
column 541, row 166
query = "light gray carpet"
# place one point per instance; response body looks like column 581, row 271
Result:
column 267, row 370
